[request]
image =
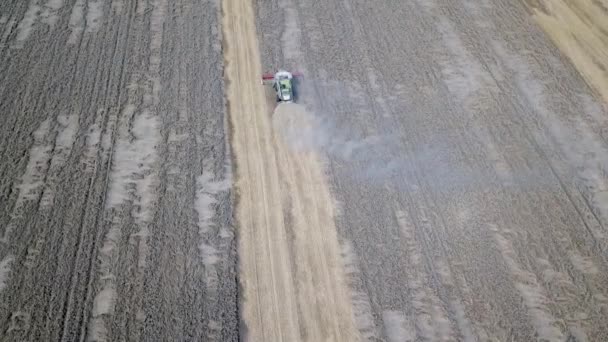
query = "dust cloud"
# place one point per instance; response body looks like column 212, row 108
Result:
column 304, row 131
column 377, row 159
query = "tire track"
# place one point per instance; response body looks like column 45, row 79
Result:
column 55, row 246
column 57, row 263
column 65, row 300
column 431, row 320
column 98, row 161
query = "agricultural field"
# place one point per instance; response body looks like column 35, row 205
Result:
column 442, row 176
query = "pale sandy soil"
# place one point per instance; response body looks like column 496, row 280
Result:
column 579, row 28
column 290, row 266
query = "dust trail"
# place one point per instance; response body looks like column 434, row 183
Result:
column 5, row 271
column 26, row 25
column 49, row 14
column 76, row 23
column 314, row 133
column 534, row 295
column 376, row 158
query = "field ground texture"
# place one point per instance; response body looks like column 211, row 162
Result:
column 115, row 174
column 443, row 176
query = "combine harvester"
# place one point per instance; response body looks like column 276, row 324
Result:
column 283, row 84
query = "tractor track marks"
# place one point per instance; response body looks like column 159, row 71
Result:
column 483, row 128
column 453, row 186
column 81, row 77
